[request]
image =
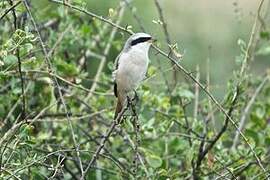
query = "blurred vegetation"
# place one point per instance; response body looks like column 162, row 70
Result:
column 55, row 108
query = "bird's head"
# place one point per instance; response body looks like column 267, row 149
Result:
column 140, row 41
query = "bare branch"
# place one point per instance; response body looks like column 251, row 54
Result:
column 246, row 110
column 186, row 72
column 196, row 101
column 10, row 9
column 49, row 66
column 106, row 52
column 103, row 141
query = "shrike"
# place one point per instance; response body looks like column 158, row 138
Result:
column 130, row 67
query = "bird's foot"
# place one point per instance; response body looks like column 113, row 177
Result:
column 132, row 103
column 135, row 99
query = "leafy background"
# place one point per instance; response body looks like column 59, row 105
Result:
column 56, row 107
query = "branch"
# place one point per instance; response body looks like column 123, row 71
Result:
column 103, row 141
column 51, row 74
column 105, row 53
column 10, row 9
column 184, row 71
column 59, row 39
column 49, row 66
column 168, row 39
column 203, row 151
column 211, row 112
column 19, row 59
column 196, row 103
column 22, row 84
column 246, row 110
column 172, row 52
column 133, row 11
column 92, row 15
column 251, row 40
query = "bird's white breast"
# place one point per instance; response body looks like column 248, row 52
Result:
column 131, row 69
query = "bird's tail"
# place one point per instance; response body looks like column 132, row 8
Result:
column 118, row 108
column 121, row 100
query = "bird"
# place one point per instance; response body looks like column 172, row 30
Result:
column 130, row 67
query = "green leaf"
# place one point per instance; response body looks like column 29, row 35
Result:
column 267, row 141
column 163, row 172
column 26, row 130
column 85, row 30
column 185, row 93
column 253, row 134
column 153, row 160
column 264, row 35
column 152, row 70
column 264, row 51
column 10, row 59
column 260, row 111
column 178, row 144
column 66, row 69
column 28, row 47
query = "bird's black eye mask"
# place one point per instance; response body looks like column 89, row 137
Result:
column 140, row 40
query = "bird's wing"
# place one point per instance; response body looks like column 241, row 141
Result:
column 116, row 64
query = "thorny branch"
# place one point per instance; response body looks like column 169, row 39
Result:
column 103, row 141
column 18, row 58
column 106, row 52
column 49, row 66
column 246, row 110
column 13, row 6
column 206, row 145
column 203, row 151
column 168, row 38
column 172, row 53
column 181, row 68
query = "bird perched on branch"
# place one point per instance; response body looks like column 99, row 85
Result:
column 131, row 67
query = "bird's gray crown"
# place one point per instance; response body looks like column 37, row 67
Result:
column 137, row 39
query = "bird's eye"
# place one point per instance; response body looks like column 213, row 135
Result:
column 140, row 40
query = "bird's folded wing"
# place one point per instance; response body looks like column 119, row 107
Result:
column 116, row 64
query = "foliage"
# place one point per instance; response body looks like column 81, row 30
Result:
column 42, row 130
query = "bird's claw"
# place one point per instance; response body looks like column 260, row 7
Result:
column 132, row 103
column 135, row 99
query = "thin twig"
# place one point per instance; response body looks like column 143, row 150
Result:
column 251, row 41
column 92, row 15
column 139, row 156
column 10, row 9
column 49, row 66
column 246, row 110
column 102, row 143
column 187, row 73
column 51, row 74
column 196, row 98
column 168, row 39
column 136, row 17
column 23, row 108
column 114, row 159
column 41, row 119
column 22, row 84
column 12, row 109
column 139, row 22
column 106, row 52
column 203, row 151
column 225, row 167
column 172, row 53
column 211, row 112
column 58, row 41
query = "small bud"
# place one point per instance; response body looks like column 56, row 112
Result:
column 111, row 12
